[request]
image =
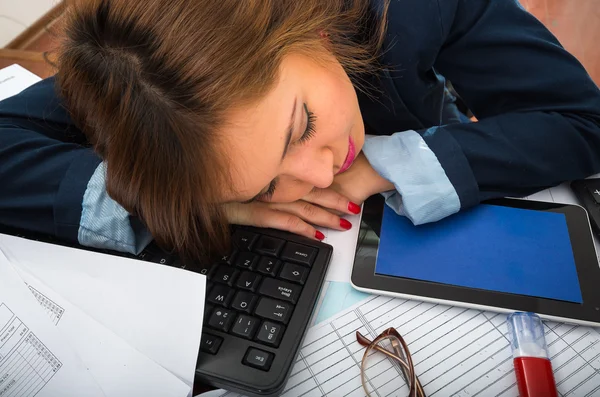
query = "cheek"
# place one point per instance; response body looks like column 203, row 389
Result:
column 290, row 191
column 339, row 102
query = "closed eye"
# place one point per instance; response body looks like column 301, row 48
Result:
column 309, row 132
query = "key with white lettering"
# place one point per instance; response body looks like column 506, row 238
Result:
column 210, row 343
column 245, row 326
column 221, row 319
column 294, row 273
column 270, row 333
column 258, row 359
column 280, row 289
column 220, row 295
column 299, row 253
column 248, row 280
column 224, row 274
column 244, row 239
column 246, row 260
column 268, row 266
column 275, row 310
column 244, row 301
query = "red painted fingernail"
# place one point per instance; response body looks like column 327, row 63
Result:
column 319, row 235
column 345, row 224
column 354, row 208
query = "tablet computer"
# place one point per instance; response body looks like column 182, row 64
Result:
column 504, row 255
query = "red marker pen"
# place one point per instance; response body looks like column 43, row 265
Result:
column 530, row 356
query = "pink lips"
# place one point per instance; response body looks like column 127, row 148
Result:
column 349, row 157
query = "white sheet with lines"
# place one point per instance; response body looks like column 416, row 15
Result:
column 457, row 352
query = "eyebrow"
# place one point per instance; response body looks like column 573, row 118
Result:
column 288, row 139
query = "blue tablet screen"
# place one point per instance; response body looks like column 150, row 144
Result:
column 489, row 247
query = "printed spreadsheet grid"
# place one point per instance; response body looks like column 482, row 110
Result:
column 457, row 352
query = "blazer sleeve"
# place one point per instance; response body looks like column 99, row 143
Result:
column 52, row 182
column 538, row 115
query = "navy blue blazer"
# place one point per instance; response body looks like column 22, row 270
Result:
column 538, row 125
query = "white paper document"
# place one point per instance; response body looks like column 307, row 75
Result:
column 35, row 360
column 119, row 369
column 14, row 79
column 157, row 310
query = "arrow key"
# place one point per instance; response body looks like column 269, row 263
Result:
column 294, row 273
column 248, row 281
column 275, row 310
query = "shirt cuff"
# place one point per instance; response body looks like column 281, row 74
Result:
column 424, row 193
column 67, row 205
column 106, row 224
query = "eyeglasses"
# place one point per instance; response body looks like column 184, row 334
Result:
column 400, row 354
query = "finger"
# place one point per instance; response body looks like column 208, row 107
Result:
column 313, row 214
column 329, row 198
column 263, row 215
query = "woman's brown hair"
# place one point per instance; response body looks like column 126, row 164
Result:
column 149, row 82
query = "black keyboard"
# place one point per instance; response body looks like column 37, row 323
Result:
column 259, row 301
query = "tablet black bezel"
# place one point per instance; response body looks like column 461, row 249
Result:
column 588, row 270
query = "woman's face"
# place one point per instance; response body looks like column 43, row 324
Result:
column 299, row 136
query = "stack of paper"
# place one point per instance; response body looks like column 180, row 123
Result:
column 77, row 323
column 74, row 322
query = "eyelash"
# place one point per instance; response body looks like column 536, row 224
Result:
column 270, row 191
column 310, row 126
column 309, row 133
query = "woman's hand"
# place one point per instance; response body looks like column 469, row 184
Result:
column 320, row 207
column 360, row 181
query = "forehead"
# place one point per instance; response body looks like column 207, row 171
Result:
column 254, row 139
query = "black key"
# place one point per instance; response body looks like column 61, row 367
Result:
column 245, row 326
column 145, row 256
column 270, row 333
column 221, row 319
column 294, row 273
column 244, row 301
column 258, row 359
column 268, row 266
column 593, row 187
column 208, row 309
column 159, row 255
column 224, row 274
column 248, row 280
column 220, row 295
column 206, row 269
column 229, row 259
column 178, row 263
column 210, row 343
column 244, row 239
column 164, row 259
column 299, row 253
column 246, row 260
column 272, row 309
column 280, row 289
column 270, row 246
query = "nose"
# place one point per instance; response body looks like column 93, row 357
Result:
column 315, row 168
